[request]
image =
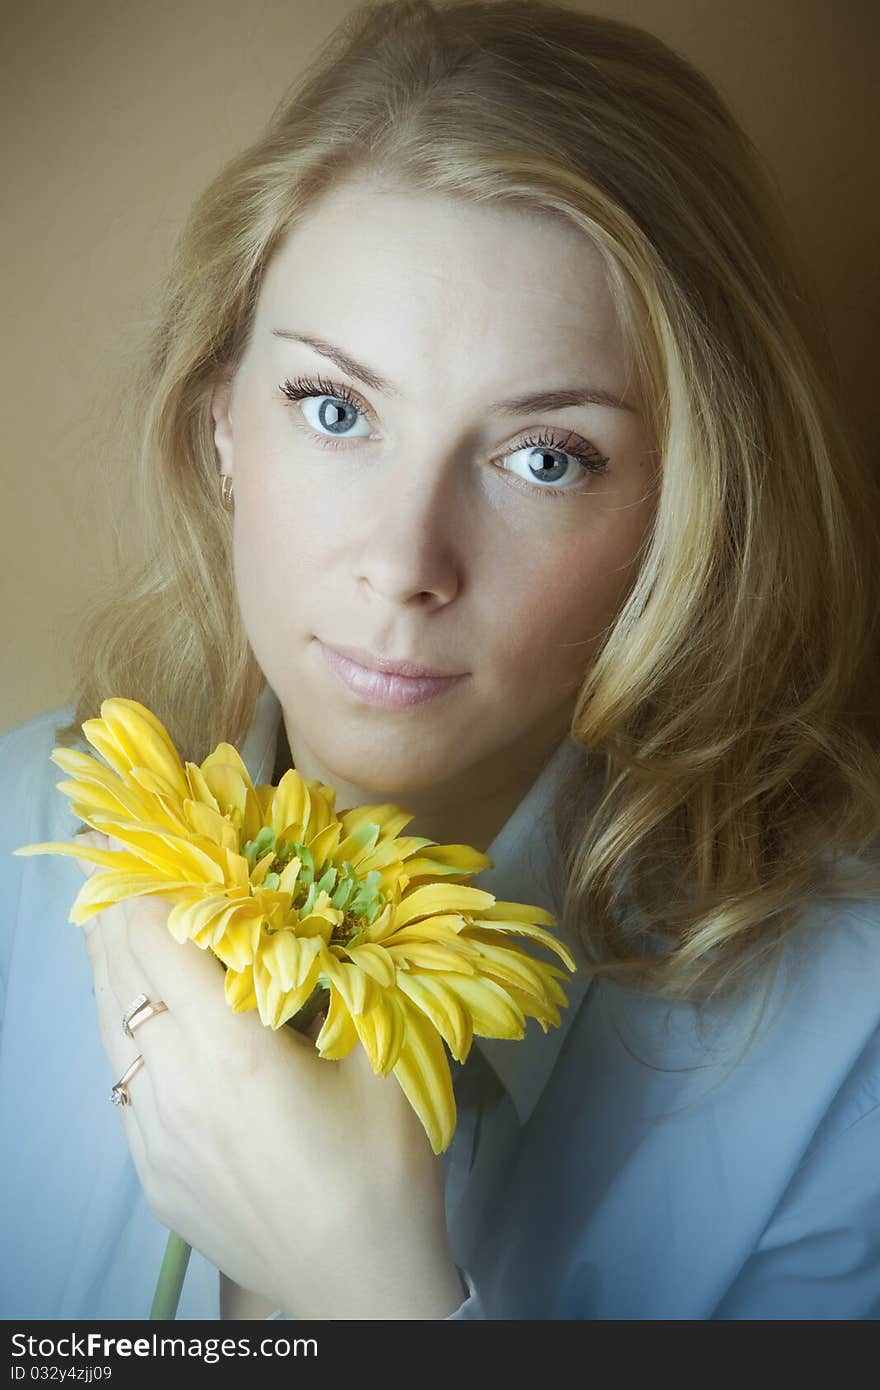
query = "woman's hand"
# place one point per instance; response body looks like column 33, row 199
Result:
column 307, row 1181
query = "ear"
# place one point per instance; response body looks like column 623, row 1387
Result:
column 220, row 404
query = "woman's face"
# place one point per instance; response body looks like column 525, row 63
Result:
column 402, row 509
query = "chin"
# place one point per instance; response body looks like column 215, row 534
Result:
column 391, row 772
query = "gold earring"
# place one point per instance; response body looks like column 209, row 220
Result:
column 226, row 494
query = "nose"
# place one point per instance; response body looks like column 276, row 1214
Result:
column 412, row 540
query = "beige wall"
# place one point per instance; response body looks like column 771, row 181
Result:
column 115, row 113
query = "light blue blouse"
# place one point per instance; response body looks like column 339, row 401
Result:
column 629, row 1164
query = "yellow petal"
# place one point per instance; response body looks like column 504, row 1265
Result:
column 205, row 821
column 382, row 1031
column 296, row 999
column 189, row 912
column 213, row 915
column 393, row 821
column 150, row 814
column 549, row 972
column 448, row 927
column 322, row 812
column 236, row 871
column 239, row 988
column 251, row 822
column 323, row 845
column 411, row 844
column 375, row 961
column 543, row 1010
column 290, row 807
column 105, row 890
column 357, row 989
column 292, row 959
column 393, row 882
column 172, row 855
column 262, row 798
column 533, row 933
column 443, row 1008
column 554, row 989
column 261, row 868
column 122, row 799
column 270, row 996
column 384, row 855
column 356, row 846
column 383, row 927
column 289, row 875
column 441, row 897
column 238, row 946
column 389, row 817
column 227, row 778
column 423, row 1073
column 316, row 924
column 338, row 1034
column 493, row 1012
column 322, row 918
column 448, row 859
column 113, row 858
column 512, row 966
column 84, row 767
column 104, row 741
column 198, row 787
column 144, row 741
column 155, row 785
column 519, row 912
column 428, row 955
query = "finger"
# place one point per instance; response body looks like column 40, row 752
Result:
column 117, row 981
column 131, row 944
column 97, row 841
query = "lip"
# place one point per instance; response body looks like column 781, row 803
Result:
column 361, row 657
column 377, row 685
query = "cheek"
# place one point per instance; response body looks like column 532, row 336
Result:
column 290, row 506
column 561, row 608
column 276, row 550
column 281, row 507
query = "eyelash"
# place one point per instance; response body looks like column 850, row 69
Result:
column 303, row 387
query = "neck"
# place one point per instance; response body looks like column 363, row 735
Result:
column 451, row 812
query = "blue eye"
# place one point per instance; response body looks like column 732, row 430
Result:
column 336, row 409
column 339, row 408
column 543, row 467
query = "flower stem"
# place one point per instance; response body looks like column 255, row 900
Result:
column 170, row 1282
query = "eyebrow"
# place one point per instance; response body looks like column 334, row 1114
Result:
column 557, row 398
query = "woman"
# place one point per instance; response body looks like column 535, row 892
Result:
column 494, row 344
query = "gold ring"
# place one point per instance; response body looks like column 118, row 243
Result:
column 139, row 1011
column 119, row 1095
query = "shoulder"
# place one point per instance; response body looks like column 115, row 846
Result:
column 30, row 804
column 817, row 1044
column 31, row 810
column 794, row 1057
column 23, row 746
column 834, row 988
column 758, row 1119
column 818, row 1255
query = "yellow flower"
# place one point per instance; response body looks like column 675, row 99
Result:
column 301, row 904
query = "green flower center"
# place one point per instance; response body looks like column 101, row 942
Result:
column 360, row 899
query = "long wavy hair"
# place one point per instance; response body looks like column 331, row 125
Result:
column 733, row 705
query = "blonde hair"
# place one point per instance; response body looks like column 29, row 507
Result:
column 732, row 707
